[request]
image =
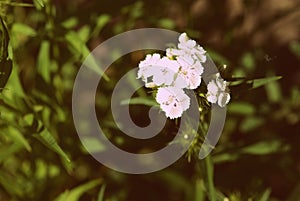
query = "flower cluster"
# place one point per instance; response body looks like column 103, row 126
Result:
column 218, row 91
column 180, row 69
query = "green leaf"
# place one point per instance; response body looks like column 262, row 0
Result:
column 14, row 83
column 76, row 193
column 48, row 140
column 70, row 23
column 139, row 101
column 17, row 136
column 7, row 150
column 177, row 182
column 248, row 61
column 19, row 28
column 250, row 123
column 218, row 58
column 39, row 3
column 101, row 193
column 166, row 23
column 265, row 196
column 101, row 21
column 43, row 62
column 263, row 81
column 295, row 48
column 242, row 108
column 224, row 157
column 263, row 148
column 78, row 47
column 84, row 33
column 273, row 92
column 93, row 144
column 11, row 184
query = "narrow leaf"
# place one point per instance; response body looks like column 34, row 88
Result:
column 101, row 21
column 80, row 48
column 262, row 148
column 242, row 108
column 43, row 62
column 48, row 140
column 263, row 81
column 17, row 136
column 101, row 193
column 139, row 101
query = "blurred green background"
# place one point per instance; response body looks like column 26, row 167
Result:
column 44, row 43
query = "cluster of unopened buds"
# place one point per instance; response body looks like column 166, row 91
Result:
column 179, row 70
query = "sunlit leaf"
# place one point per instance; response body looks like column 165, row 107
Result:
column 70, row 23
column 19, row 28
column 17, row 136
column 14, row 83
column 43, row 62
column 76, row 193
column 84, row 33
column 38, row 3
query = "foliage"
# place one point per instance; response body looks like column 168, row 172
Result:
column 42, row 46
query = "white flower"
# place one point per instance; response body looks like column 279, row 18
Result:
column 173, row 101
column 180, row 69
column 156, row 71
column 191, row 72
column 218, row 91
column 187, row 48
